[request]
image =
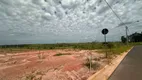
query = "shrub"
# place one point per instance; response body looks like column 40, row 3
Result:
column 94, row 65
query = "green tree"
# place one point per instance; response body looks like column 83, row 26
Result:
column 123, row 39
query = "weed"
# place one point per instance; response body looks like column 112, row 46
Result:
column 34, row 75
column 30, row 77
column 39, row 73
column 41, row 56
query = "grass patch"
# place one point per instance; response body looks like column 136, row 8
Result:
column 120, row 50
column 79, row 46
column 61, row 54
column 115, row 50
column 12, row 50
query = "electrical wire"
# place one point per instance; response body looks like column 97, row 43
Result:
column 119, row 19
column 115, row 13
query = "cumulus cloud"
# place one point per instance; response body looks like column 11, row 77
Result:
column 50, row 21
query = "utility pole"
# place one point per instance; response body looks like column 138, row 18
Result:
column 127, row 39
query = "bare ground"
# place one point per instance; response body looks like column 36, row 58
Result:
column 44, row 65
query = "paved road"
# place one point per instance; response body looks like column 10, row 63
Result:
column 131, row 66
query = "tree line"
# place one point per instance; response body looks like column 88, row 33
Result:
column 135, row 37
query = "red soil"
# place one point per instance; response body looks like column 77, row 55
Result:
column 18, row 66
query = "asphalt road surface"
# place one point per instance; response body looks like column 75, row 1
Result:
column 131, row 66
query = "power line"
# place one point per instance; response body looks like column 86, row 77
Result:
column 117, row 15
column 114, row 12
column 119, row 19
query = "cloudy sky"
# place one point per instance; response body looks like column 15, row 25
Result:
column 57, row 21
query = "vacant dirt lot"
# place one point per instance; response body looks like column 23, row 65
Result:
column 49, row 65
